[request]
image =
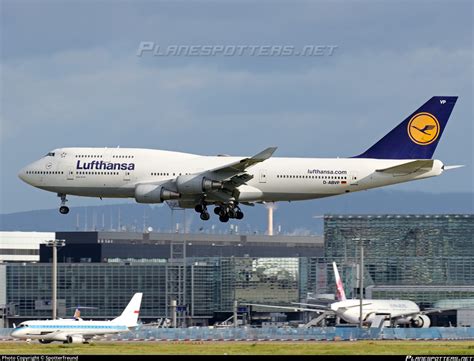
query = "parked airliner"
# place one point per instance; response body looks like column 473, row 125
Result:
column 195, row 181
column 77, row 330
column 400, row 312
column 396, row 312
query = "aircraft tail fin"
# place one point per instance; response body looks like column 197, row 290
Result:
column 129, row 316
column 77, row 314
column 341, row 295
column 418, row 135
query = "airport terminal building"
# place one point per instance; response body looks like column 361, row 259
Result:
column 428, row 259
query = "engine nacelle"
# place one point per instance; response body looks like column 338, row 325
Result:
column 196, row 184
column 75, row 339
column 421, row 321
column 151, row 193
column 248, row 193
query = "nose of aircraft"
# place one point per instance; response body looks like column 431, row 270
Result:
column 22, row 174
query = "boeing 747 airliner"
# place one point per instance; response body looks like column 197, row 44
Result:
column 195, row 181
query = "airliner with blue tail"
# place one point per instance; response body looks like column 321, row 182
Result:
column 195, row 181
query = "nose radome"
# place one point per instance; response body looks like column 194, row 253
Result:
column 22, row 174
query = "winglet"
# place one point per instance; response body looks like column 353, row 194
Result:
column 265, row 154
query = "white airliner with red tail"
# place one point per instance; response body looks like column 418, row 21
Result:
column 77, row 330
column 395, row 312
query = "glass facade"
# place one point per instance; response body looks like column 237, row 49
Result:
column 212, row 284
column 435, row 253
column 399, row 235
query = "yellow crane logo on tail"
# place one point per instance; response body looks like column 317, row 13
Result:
column 423, row 128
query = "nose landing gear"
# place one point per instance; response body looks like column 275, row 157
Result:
column 63, row 209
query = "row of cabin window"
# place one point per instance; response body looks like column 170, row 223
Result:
column 167, row 174
column 99, row 173
column 310, row 176
column 101, row 156
column 43, row 172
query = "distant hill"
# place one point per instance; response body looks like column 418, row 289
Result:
column 291, row 218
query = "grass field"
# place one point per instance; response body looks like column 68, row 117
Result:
column 246, row 348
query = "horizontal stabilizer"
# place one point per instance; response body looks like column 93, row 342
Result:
column 409, row 167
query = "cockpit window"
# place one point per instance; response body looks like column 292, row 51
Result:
column 50, row 154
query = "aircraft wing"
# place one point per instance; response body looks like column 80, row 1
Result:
column 234, row 174
column 343, row 308
column 433, row 310
column 316, row 305
column 409, row 167
column 241, row 165
column 425, row 312
column 288, row 308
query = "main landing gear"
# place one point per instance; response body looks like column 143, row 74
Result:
column 228, row 211
column 224, row 211
column 201, row 208
column 63, row 209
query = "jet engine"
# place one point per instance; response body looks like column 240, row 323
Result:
column 196, row 184
column 75, row 339
column 152, row 193
column 421, row 321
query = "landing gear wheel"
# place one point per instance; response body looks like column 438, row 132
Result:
column 239, row 214
column 232, row 213
column 64, row 210
column 205, row 216
column 217, row 210
column 224, row 218
column 199, row 208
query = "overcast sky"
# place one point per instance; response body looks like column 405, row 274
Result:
column 71, row 77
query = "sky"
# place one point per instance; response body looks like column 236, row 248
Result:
column 72, row 75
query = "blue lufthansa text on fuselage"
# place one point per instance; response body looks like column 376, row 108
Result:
column 101, row 165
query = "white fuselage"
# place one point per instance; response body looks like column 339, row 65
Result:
column 401, row 310
column 115, row 172
column 60, row 330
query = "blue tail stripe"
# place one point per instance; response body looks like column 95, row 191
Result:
column 418, row 135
